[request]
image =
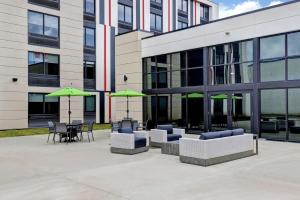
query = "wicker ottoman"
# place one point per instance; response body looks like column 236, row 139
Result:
column 170, row 148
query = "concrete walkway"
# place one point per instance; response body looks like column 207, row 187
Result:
column 30, row 169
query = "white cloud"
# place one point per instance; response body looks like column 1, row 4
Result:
column 245, row 6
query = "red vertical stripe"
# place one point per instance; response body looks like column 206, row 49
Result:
column 169, row 17
column 104, row 58
column 109, row 10
column 195, row 12
column 143, row 14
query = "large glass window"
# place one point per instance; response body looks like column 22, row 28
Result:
column 231, row 63
column 125, row 13
column 89, row 37
column 89, row 6
column 273, row 114
column 195, row 67
column 89, row 70
column 272, row 47
column 43, row 24
column 39, row 63
column 183, row 5
column 156, row 22
column 293, row 62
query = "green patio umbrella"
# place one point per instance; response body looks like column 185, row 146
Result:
column 193, row 96
column 68, row 92
column 224, row 96
column 127, row 93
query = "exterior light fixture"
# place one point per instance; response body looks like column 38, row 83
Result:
column 14, row 79
column 227, row 33
column 125, row 78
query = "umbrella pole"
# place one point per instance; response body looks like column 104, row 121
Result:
column 69, row 110
column 127, row 108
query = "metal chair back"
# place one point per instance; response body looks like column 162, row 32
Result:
column 135, row 125
column 90, row 126
column 126, row 124
column 76, row 122
column 61, row 128
column 115, row 126
column 51, row 127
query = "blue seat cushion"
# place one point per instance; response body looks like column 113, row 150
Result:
column 238, row 131
column 140, row 142
column 173, row 137
column 210, row 135
column 125, row 130
column 167, row 127
column 227, row 133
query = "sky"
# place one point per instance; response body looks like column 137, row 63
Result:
column 233, row 7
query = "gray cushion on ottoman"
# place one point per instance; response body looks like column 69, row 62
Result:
column 226, row 133
column 173, row 137
column 210, row 135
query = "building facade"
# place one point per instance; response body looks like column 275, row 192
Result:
column 51, row 44
column 237, row 72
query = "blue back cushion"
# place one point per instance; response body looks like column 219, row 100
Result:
column 173, row 137
column 227, row 133
column 125, row 130
column 238, row 131
column 210, row 135
column 168, row 128
column 140, row 142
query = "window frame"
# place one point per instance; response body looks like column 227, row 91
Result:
column 84, row 8
column 124, row 16
column 85, row 38
column 44, row 63
column 43, row 35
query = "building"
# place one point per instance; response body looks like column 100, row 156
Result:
column 241, row 71
column 49, row 44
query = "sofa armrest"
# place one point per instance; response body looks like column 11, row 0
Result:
column 179, row 131
column 144, row 134
column 158, row 135
column 191, row 147
column 122, row 140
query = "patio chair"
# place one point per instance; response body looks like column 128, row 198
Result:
column 165, row 133
column 61, row 130
column 90, row 127
column 79, row 128
column 51, row 129
column 126, row 123
column 129, row 142
column 115, row 126
column 135, row 125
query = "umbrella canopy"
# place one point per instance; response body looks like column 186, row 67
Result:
column 127, row 93
column 193, row 96
column 224, row 96
column 68, row 92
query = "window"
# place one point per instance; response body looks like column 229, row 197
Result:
column 125, row 13
column 231, row 63
column 89, row 6
column 157, row 1
column 89, row 70
column 156, row 22
column 89, row 37
column 55, row 4
column 42, row 105
column 182, row 25
column 39, row 63
column 272, row 56
column 43, row 24
column 204, row 13
column 90, row 104
column 183, row 5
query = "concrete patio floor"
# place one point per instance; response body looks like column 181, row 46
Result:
column 31, row 169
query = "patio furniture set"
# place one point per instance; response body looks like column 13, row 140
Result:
column 208, row 149
column 70, row 132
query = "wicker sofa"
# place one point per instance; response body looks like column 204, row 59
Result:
column 216, row 147
column 165, row 133
column 126, row 141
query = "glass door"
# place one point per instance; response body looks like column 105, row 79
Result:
column 230, row 110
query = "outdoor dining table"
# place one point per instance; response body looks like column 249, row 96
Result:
column 72, row 129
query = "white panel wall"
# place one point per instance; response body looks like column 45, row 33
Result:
column 267, row 22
